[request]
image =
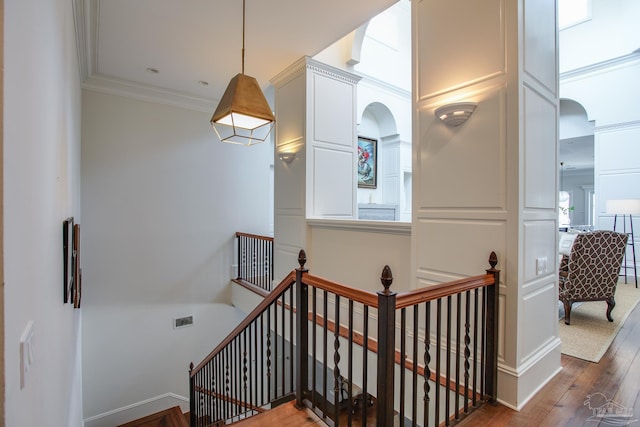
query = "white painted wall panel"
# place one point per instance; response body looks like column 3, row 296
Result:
column 455, row 30
column 333, row 183
column 333, row 111
column 537, row 235
column 540, row 56
column 619, row 150
column 460, row 247
column 540, row 141
column 462, row 167
column 539, row 319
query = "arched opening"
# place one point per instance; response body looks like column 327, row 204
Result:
column 577, row 196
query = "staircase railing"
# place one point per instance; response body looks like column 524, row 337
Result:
column 425, row 357
column 255, row 260
column 251, row 368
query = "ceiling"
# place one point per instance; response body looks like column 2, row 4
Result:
column 193, row 41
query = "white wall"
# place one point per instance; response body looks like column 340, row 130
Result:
column 599, row 70
column 161, row 199
column 41, row 188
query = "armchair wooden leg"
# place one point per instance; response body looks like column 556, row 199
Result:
column 611, row 302
column 567, row 312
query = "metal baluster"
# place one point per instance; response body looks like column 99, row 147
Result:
column 268, row 355
column 414, row 395
column 350, row 368
column 448, row 369
column 283, row 336
column 365, row 366
column 437, row 350
column 467, row 351
column 483, row 353
column 314, row 349
column 403, row 359
column 244, row 371
column 324, row 354
column 427, row 360
column 475, row 347
column 457, row 389
column 291, row 335
column 336, row 361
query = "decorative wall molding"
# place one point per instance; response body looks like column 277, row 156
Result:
column 600, row 67
column 617, row 126
column 396, row 228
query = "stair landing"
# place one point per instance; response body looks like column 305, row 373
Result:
column 172, row 417
column 286, row 415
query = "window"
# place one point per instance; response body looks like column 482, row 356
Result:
column 572, row 12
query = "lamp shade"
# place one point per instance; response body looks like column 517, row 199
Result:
column 623, row 206
column 243, row 115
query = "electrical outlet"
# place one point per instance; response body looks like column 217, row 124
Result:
column 27, row 356
column 541, row 265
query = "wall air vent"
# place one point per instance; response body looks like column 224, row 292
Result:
column 181, row 322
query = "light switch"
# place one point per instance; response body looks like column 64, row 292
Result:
column 541, row 265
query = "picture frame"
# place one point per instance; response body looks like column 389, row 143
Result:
column 67, row 259
column 77, row 271
column 367, row 162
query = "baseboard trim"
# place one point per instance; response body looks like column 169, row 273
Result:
column 517, row 386
column 137, row 410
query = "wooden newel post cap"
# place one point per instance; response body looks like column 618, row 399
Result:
column 493, row 260
column 190, row 366
column 302, row 258
column 387, row 278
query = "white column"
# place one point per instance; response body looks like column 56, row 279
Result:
column 316, row 120
column 491, row 183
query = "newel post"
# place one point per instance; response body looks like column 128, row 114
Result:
column 386, row 349
column 302, row 332
column 192, row 397
column 491, row 368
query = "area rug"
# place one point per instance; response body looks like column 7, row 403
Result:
column 590, row 333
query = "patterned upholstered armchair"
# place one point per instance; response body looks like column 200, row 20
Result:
column 590, row 272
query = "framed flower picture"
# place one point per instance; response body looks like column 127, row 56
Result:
column 67, row 259
column 367, row 162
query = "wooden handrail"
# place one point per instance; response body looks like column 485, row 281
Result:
column 417, row 296
column 357, row 295
column 273, row 296
column 254, row 236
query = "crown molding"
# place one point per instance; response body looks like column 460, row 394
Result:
column 141, row 92
column 600, row 67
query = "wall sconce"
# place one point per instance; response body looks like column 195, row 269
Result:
column 455, row 114
column 287, row 157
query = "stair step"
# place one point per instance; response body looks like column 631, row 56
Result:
column 172, row 417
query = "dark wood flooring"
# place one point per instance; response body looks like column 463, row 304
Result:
column 562, row 401
column 172, row 417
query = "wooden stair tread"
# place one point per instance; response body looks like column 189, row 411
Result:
column 172, row 417
column 286, row 415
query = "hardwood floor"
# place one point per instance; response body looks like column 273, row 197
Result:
column 562, row 401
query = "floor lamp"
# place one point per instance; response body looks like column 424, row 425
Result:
column 626, row 208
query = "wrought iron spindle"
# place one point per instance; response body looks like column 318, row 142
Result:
column 427, row 360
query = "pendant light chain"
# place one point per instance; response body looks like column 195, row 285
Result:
column 243, row 14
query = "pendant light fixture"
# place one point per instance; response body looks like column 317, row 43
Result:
column 243, row 115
